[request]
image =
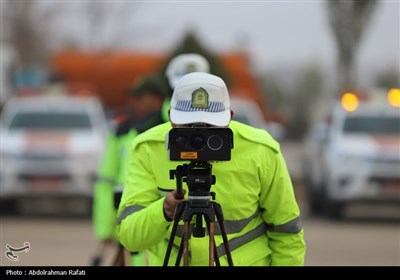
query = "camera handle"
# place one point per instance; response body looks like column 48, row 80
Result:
column 179, row 173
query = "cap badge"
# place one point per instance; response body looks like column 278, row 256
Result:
column 190, row 67
column 200, row 98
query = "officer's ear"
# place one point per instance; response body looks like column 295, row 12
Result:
column 232, row 113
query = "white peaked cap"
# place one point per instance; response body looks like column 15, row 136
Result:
column 200, row 98
column 184, row 64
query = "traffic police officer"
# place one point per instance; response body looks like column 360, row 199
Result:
column 254, row 189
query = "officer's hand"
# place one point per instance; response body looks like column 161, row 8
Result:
column 170, row 203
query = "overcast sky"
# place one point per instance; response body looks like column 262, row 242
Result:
column 273, row 32
column 276, row 34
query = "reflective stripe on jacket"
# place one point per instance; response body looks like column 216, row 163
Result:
column 262, row 218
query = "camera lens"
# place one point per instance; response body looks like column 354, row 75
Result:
column 215, row 142
column 197, row 142
column 180, row 142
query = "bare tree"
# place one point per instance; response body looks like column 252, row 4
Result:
column 348, row 20
column 25, row 28
column 108, row 24
column 34, row 28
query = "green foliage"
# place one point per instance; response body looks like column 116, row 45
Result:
column 190, row 44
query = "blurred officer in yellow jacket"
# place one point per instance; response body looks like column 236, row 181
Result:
column 147, row 99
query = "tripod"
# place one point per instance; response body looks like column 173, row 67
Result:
column 198, row 177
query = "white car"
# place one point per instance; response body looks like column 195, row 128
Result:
column 248, row 112
column 51, row 146
column 356, row 158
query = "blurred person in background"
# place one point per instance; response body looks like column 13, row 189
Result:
column 183, row 64
column 254, row 189
column 179, row 66
column 146, row 103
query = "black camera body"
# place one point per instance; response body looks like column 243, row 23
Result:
column 200, row 144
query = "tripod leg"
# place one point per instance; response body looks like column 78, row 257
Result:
column 177, row 216
column 186, row 244
column 220, row 217
column 127, row 258
column 98, row 257
column 179, row 256
column 119, row 258
column 217, row 263
column 211, row 244
column 226, row 244
column 213, row 247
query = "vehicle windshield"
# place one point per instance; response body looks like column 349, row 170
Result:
column 50, row 120
column 371, row 125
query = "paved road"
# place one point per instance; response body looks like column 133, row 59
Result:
column 70, row 241
column 357, row 240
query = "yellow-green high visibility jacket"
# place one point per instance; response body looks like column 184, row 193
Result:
column 111, row 173
column 261, row 215
column 103, row 211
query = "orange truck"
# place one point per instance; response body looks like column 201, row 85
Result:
column 107, row 75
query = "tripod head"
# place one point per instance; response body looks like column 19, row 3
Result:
column 198, row 177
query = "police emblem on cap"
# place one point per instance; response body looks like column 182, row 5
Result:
column 200, row 98
column 190, row 67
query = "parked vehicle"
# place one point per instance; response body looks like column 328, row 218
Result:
column 355, row 157
column 50, row 147
column 248, row 112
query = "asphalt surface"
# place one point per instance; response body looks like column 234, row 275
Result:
column 69, row 241
column 368, row 236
